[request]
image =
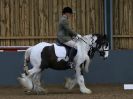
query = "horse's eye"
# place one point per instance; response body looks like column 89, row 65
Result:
column 107, row 45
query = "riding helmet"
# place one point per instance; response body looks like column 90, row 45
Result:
column 67, row 10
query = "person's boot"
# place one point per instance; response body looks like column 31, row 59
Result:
column 71, row 56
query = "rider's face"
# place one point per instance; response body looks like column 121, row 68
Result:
column 69, row 15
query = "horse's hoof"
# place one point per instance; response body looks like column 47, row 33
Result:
column 28, row 92
column 25, row 82
column 86, row 91
column 89, row 91
column 67, row 83
column 44, row 91
column 36, row 93
column 41, row 91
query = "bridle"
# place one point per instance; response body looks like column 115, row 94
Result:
column 86, row 42
column 93, row 49
column 102, row 48
column 91, row 46
column 83, row 40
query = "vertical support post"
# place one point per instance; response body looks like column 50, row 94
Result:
column 108, row 21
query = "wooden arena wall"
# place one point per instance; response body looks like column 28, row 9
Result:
column 27, row 22
column 123, row 24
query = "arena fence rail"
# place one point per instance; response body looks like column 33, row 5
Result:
column 13, row 48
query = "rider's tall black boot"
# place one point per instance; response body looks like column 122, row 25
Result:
column 71, row 57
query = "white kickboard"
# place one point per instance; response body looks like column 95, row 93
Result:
column 128, row 86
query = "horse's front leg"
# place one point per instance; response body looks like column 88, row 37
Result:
column 80, row 81
column 87, row 62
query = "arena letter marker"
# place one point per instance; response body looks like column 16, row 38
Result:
column 128, row 86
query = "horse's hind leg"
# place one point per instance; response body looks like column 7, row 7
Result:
column 37, row 84
column 35, row 75
column 70, row 83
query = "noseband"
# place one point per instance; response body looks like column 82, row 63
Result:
column 101, row 50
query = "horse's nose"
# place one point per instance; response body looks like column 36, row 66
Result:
column 105, row 58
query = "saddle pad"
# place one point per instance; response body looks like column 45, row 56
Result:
column 60, row 51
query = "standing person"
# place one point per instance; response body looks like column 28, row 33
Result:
column 65, row 34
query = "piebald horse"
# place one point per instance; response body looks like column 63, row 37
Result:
column 46, row 55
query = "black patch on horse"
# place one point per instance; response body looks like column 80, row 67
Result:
column 91, row 52
column 49, row 59
column 101, row 41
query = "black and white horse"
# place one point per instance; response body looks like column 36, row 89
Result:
column 45, row 55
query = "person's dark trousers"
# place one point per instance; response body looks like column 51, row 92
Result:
column 72, row 54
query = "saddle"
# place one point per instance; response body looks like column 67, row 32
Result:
column 70, row 51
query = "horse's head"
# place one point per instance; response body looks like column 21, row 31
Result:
column 101, row 45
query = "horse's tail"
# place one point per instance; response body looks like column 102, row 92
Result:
column 27, row 60
column 24, row 80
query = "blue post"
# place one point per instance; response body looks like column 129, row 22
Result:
column 108, row 20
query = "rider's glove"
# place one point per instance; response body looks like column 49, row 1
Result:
column 78, row 36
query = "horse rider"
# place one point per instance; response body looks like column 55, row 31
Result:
column 65, row 34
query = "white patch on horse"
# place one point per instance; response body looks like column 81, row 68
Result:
column 35, row 56
column 60, row 52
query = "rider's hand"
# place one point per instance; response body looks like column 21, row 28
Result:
column 79, row 36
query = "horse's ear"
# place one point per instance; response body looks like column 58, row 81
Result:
column 105, row 36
